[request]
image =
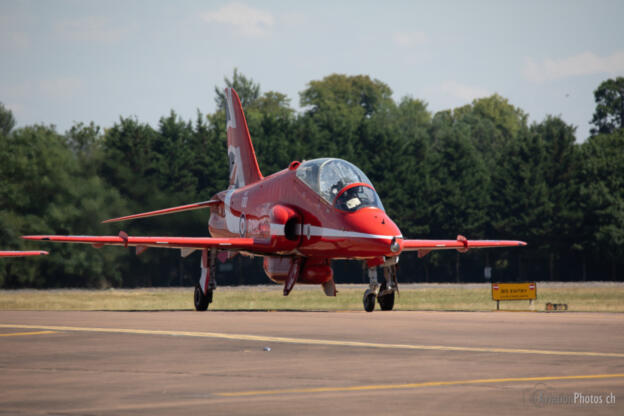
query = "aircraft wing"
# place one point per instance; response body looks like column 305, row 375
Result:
column 180, row 208
column 22, row 253
column 461, row 244
column 186, row 244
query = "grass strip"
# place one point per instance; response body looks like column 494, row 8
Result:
column 581, row 297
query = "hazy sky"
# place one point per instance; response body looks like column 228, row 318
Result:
column 68, row 61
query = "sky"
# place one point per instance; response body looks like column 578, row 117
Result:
column 64, row 62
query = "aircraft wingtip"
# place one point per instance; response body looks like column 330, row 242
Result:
column 35, row 237
column 119, row 219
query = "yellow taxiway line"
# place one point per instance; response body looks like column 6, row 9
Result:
column 17, row 334
column 310, row 341
column 414, row 385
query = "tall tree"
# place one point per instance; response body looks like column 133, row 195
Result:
column 7, row 121
column 248, row 91
column 129, row 159
column 44, row 190
column 602, row 197
column 404, row 173
column 173, row 151
column 493, row 122
column 609, row 113
column 336, row 107
column 520, row 205
column 271, row 125
column 458, row 184
column 560, row 170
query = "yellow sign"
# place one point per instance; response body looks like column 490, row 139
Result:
column 514, row 291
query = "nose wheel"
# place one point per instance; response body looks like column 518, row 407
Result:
column 384, row 293
column 385, row 298
column 369, row 300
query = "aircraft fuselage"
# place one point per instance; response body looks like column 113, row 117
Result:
column 294, row 220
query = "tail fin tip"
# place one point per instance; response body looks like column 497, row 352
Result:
column 244, row 168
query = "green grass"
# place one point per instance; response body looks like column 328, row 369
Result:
column 589, row 297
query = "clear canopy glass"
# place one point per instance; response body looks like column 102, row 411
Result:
column 328, row 176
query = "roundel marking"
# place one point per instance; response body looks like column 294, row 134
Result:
column 242, row 226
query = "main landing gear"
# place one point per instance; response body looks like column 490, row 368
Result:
column 202, row 301
column 384, row 293
column 207, row 282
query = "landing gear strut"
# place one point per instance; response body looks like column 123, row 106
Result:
column 207, row 282
column 384, row 293
column 385, row 297
column 386, row 302
column 371, row 292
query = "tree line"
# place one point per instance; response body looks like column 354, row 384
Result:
column 480, row 170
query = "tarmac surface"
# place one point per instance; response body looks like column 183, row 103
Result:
column 272, row 363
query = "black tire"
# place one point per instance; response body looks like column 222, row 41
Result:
column 386, row 302
column 369, row 301
column 202, row 301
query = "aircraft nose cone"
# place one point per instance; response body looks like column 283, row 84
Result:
column 382, row 235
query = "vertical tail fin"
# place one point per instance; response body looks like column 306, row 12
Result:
column 243, row 164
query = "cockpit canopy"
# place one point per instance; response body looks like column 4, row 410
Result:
column 328, row 177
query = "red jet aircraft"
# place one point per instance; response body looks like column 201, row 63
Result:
column 22, row 253
column 298, row 219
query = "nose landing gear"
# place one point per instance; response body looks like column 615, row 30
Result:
column 384, row 293
column 385, row 298
column 369, row 300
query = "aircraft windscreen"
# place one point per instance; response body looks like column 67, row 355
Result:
column 328, row 177
column 358, row 197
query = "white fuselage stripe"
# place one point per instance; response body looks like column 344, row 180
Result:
column 233, row 224
column 277, row 229
column 332, row 232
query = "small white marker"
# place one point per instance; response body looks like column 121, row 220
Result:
column 267, row 349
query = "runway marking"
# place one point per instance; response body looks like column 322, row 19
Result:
column 310, row 341
column 17, row 334
column 413, row 385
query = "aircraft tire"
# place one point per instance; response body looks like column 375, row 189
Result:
column 369, row 301
column 386, row 302
column 202, row 301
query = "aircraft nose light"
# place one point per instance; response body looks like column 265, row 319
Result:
column 394, row 245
